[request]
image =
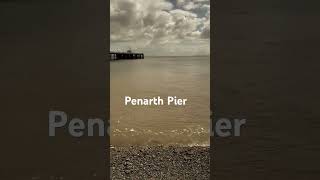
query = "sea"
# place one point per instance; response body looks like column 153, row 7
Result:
column 183, row 77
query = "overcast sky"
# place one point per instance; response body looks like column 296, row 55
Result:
column 161, row 27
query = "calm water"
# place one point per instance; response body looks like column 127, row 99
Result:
column 184, row 77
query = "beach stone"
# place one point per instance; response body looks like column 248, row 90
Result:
column 160, row 162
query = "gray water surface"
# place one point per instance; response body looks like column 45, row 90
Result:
column 184, row 77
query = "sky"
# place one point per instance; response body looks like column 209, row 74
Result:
column 160, row 27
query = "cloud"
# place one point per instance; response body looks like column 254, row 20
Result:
column 160, row 27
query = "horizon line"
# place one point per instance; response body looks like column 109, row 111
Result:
column 179, row 56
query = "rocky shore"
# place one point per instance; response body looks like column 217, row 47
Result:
column 160, row 162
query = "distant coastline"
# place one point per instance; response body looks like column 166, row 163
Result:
column 179, row 56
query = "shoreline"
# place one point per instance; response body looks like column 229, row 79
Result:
column 160, row 162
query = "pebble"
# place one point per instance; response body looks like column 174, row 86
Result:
column 160, row 162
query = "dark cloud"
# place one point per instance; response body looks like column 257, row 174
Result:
column 205, row 33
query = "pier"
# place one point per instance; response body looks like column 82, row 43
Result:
column 125, row 55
